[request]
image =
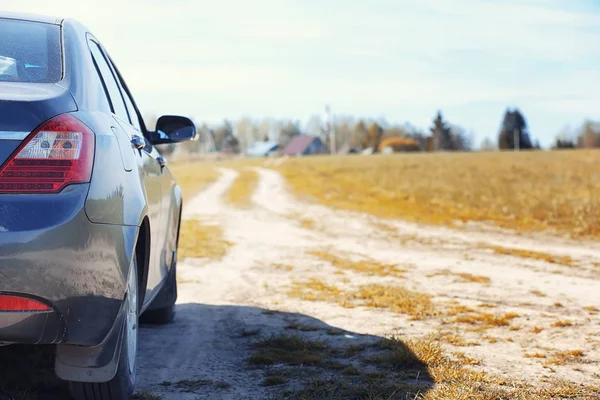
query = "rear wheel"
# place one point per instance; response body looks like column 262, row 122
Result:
column 122, row 385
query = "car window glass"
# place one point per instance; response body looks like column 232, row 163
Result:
column 131, row 108
column 29, row 52
column 133, row 115
column 110, row 83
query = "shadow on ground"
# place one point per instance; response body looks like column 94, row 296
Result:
column 240, row 352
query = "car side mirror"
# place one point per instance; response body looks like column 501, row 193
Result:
column 173, row 129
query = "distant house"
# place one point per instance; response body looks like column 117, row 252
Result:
column 304, row 145
column 263, row 149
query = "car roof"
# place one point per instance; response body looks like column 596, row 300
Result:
column 31, row 17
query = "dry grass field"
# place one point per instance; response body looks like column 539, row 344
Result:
column 527, row 191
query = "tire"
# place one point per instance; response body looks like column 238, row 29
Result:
column 123, row 383
column 160, row 316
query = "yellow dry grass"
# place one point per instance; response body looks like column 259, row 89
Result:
column 367, row 267
column 534, row 355
column 527, row 191
column 455, row 380
column 240, row 193
column 461, row 277
column 482, row 320
column 534, row 255
column 592, row 309
column 307, row 223
column 198, row 240
column 564, row 357
column 397, row 299
column 394, row 298
column 562, row 324
column 193, row 177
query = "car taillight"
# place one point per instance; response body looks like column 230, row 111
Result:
column 58, row 153
column 13, row 303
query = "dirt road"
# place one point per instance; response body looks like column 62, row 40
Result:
column 546, row 290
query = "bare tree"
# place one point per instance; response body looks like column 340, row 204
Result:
column 488, row 145
column 374, row 136
column 288, row 130
column 314, row 126
column 359, row 135
column 243, row 130
column 589, row 135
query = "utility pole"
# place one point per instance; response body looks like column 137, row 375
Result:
column 516, row 139
column 331, row 129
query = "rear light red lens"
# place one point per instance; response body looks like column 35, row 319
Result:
column 13, row 303
column 58, row 153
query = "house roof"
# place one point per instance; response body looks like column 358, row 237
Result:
column 299, row 144
column 262, row 148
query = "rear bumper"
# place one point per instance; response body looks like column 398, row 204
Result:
column 31, row 327
column 51, row 251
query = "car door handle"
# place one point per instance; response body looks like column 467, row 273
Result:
column 161, row 161
column 138, row 142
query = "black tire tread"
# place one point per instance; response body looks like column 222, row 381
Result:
column 160, row 316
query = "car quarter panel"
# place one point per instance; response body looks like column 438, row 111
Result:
column 116, row 196
column 50, row 249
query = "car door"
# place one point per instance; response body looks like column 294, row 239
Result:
column 163, row 230
column 129, row 132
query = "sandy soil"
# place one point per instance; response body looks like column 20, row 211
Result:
column 221, row 300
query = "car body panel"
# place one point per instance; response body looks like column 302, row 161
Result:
column 57, row 254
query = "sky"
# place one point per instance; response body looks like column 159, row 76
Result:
column 401, row 60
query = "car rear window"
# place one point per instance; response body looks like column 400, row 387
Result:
column 29, row 52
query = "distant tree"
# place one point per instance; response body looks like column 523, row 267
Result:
column 400, row 144
column 344, row 128
column 374, row 135
column 206, row 139
column 314, row 126
column 441, row 134
column 488, row 145
column 589, row 135
column 560, row 144
column 360, row 135
column 225, row 140
column 514, row 126
column 245, row 133
column 288, row 131
column 459, row 139
column 414, row 133
column 394, row 131
column 268, row 129
column 446, row 137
